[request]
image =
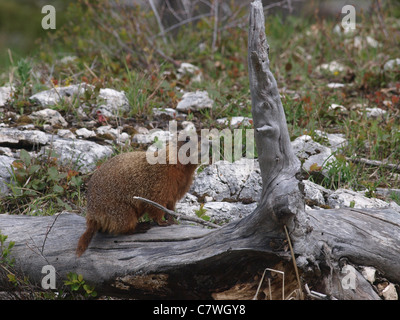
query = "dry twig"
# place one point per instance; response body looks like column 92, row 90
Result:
column 178, row 215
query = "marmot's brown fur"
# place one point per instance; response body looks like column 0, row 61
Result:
column 110, row 204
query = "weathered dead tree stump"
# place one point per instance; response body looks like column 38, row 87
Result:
column 191, row 262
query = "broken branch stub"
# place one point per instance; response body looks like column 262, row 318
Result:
column 282, row 196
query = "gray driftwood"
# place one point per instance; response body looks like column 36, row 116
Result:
column 192, row 262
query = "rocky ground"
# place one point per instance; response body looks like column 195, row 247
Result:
column 221, row 192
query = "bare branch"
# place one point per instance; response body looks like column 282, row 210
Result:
column 215, row 32
column 178, row 215
column 159, row 22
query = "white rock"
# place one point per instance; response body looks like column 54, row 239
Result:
column 167, row 111
column 312, row 152
column 66, row 134
column 390, row 293
column 235, row 122
column 339, row 30
column 335, row 140
column 387, row 103
column 142, row 130
column 151, row 136
column 343, row 198
column 373, row 113
column 81, row 155
column 392, row 64
column 226, row 211
column 68, row 59
column 315, row 193
column 387, row 192
column 219, row 212
column 30, row 137
column 369, row 273
column 5, row 173
column 194, row 101
column 104, row 129
column 54, row 96
column 361, row 43
column 338, row 107
column 5, row 94
column 332, row 67
column 235, row 181
column 189, row 127
column 335, row 85
column 190, row 69
column 116, row 133
column 50, row 116
column 85, row 133
column 6, row 151
column 112, row 103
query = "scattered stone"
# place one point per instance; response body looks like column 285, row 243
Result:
column 55, row 95
column 168, row 111
column 48, row 128
column 49, row 116
column 85, row 133
column 387, row 192
column 315, row 194
column 374, row 113
column 81, row 155
column 336, row 141
column 5, row 173
column 369, row 273
column 390, row 293
column 312, row 153
column 335, row 85
column 189, row 127
column 223, row 212
column 146, row 138
column 191, row 70
column 114, row 133
column 337, row 107
column 225, row 181
column 343, row 198
column 66, row 134
column 235, row 122
column 68, row 59
column 392, row 64
column 6, row 152
column 5, row 94
column 363, row 43
column 194, row 101
column 333, row 67
column 14, row 136
column 218, row 212
column 348, row 32
column 112, row 103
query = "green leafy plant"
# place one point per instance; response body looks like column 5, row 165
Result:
column 40, row 184
column 77, row 284
column 339, row 173
column 201, row 213
column 5, row 250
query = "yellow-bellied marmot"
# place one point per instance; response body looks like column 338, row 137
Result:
column 110, row 204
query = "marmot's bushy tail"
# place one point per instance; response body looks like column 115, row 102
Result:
column 91, row 229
